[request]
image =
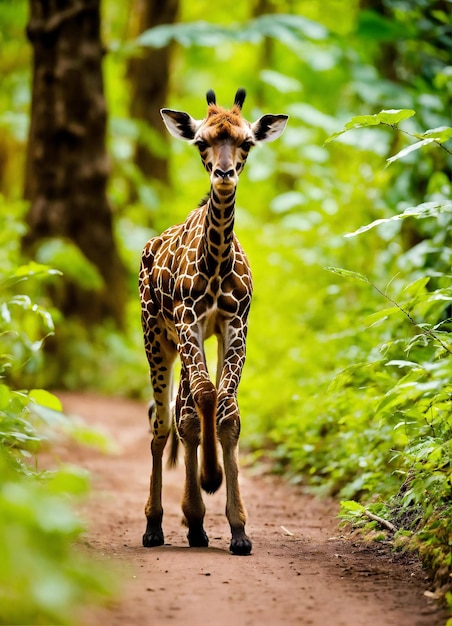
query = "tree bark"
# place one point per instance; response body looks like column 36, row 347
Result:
column 149, row 75
column 67, row 165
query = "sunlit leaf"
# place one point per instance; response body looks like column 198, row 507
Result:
column 35, row 269
column 411, row 148
column 201, row 33
column 379, row 316
column 347, row 273
column 351, row 507
column 389, row 117
column 394, row 116
column 281, row 82
column 403, row 363
column 440, row 134
column 45, row 399
column 417, row 286
column 421, row 211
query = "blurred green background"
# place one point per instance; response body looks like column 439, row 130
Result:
column 346, row 389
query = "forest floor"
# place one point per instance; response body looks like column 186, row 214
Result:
column 302, row 571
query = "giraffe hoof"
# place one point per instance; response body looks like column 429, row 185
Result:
column 153, row 538
column 240, row 545
column 198, row 538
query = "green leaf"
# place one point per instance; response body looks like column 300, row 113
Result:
column 46, row 399
column 421, row 211
column 281, row 82
column 389, row 117
column 5, row 396
column 394, row 116
column 201, row 33
column 417, row 287
column 348, row 274
column 372, row 26
column 403, row 363
column 440, row 134
column 351, row 505
column 35, row 269
column 409, row 149
column 378, row 316
column 347, row 376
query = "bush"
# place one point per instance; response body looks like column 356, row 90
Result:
column 43, row 577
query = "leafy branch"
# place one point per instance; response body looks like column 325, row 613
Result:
column 285, row 28
column 391, row 119
column 357, row 276
column 421, row 211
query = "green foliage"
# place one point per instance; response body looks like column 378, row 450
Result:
column 70, row 261
column 43, row 577
column 391, row 118
column 286, row 28
column 416, row 402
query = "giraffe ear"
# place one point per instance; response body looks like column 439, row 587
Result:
column 180, row 124
column 269, row 127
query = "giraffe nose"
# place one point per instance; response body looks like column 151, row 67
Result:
column 224, row 175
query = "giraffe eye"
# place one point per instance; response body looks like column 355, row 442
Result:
column 246, row 145
column 201, row 145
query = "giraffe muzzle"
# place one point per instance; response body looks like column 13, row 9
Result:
column 226, row 177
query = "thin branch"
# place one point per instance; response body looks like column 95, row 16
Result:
column 380, row 520
column 426, row 332
column 405, row 132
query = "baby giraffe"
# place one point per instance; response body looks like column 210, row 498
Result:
column 195, row 282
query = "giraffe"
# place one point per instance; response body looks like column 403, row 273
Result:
column 195, row 281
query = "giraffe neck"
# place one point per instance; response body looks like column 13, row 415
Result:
column 219, row 226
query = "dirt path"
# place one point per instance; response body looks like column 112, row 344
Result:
column 301, row 571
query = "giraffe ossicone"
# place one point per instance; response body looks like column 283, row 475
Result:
column 195, row 281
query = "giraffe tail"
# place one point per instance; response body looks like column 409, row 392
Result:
column 174, row 447
column 211, row 472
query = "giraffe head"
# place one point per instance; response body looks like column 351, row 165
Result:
column 224, row 138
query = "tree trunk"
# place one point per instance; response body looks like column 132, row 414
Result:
column 265, row 58
column 149, row 76
column 67, row 165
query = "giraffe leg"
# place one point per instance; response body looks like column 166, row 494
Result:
column 153, row 535
column 228, row 433
column 189, row 429
column 203, row 398
column 161, row 362
column 231, row 358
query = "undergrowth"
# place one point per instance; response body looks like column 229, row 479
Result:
column 405, row 393
column 44, row 578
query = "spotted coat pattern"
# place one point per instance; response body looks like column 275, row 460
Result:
column 195, row 282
